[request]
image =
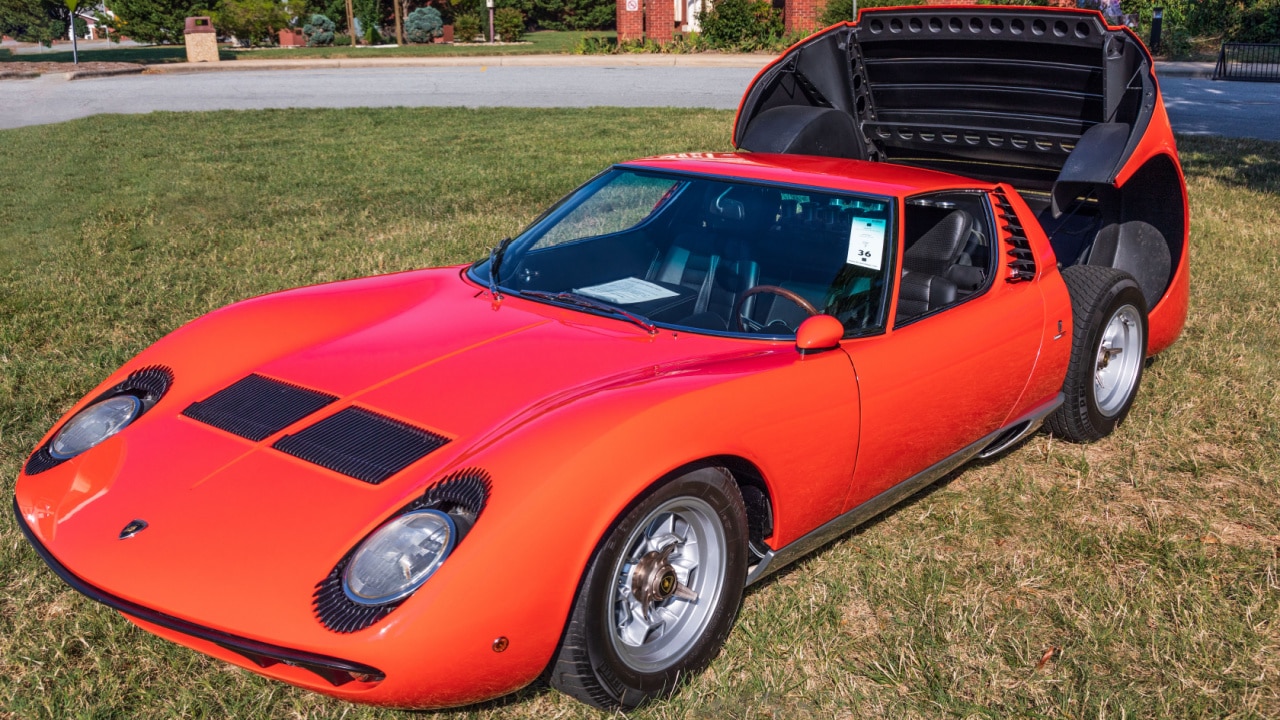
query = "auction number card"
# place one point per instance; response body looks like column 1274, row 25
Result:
column 866, row 242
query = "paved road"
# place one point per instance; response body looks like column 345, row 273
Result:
column 1195, row 105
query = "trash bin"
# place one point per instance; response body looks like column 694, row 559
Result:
column 202, row 41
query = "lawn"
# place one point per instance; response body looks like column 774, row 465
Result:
column 543, row 42
column 1136, row 577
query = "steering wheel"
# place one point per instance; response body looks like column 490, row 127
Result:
column 746, row 324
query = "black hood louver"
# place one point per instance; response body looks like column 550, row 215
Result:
column 257, row 407
column 462, row 494
column 361, row 444
column 148, row 384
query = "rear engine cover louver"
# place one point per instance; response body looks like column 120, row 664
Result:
column 361, row 444
column 257, row 407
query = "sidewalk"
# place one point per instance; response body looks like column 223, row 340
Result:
column 1163, row 69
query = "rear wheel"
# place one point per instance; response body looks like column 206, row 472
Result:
column 1108, row 351
column 660, row 595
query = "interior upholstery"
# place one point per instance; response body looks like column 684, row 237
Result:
column 937, row 250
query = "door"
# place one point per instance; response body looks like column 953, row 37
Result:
column 949, row 371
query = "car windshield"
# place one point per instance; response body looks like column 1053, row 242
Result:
column 706, row 254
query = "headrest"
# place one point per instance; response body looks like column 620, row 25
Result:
column 937, row 250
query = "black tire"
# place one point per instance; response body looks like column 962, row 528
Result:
column 1103, row 300
column 594, row 662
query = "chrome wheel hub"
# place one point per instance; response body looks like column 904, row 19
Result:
column 1119, row 361
column 667, row 584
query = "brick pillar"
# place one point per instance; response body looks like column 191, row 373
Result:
column 802, row 15
column 630, row 20
column 660, row 20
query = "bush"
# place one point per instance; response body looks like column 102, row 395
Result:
column 318, row 31
column 252, row 22
column 1176, row 44
column 508, row 23
column 841, row 10
column 466, row 28
column 1259, row 23
column 741, row 25
column 423, row 25
column 342, row 41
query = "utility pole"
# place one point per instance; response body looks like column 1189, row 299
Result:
column 351, row 25
column 399, row 27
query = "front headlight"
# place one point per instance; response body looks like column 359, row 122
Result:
column 93, row 425
column 398, row 557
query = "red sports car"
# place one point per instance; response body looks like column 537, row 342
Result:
column 946, row 226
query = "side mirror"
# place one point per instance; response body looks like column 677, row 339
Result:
column 818, row 334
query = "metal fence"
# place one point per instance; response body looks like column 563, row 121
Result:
column 1248, row 61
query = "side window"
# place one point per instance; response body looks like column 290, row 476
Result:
column 948, row 254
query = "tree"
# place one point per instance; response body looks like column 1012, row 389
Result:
column 153, row 21
column 251, row 21
column 38, row 21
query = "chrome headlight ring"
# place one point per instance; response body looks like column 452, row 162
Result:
column 108, row 414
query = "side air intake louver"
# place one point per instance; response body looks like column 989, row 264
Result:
column 1022, row 266
column 361, row 444
column 462, row 494
column 257, row 407
column 148, row 385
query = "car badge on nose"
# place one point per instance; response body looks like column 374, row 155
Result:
column 133, row 528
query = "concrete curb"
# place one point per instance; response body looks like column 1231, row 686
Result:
column 84, row 74
column 638, row 60
column 8, row 75
column 1163, row 69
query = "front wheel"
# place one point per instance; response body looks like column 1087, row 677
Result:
column 660, row 595
column 1108, row 351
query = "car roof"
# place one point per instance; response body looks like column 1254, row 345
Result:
column 876, row 178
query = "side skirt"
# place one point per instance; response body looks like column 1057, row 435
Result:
column 989, row 445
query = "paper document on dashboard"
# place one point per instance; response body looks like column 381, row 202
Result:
column 627, row 291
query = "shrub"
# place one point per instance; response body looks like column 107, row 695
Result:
column 741, row 24
column 842, row 10
column 466, row 28
column 318, row 31
column 423, row 25
column 508, row 23
column 1258, row 23
column 1176, row 44
column 251, row 21
column 341, row 40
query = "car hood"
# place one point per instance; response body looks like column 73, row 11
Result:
column 239, row 519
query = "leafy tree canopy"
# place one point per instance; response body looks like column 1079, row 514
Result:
column 39, row 21
column 153, row 21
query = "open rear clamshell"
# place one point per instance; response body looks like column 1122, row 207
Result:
column 1051, row 101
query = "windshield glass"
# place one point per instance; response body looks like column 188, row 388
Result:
column 706, row 254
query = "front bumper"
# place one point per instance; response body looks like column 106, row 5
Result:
column 335, row 671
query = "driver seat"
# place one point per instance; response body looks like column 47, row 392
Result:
column 924, row 286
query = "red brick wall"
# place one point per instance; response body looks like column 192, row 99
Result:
column 802, row 15
column 630, row 22
column 660, row 20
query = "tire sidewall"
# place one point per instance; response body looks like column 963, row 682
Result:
column 1124, row 292
column 631, row 687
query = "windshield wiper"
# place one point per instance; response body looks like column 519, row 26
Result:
column 582, row 301
column 495, row 264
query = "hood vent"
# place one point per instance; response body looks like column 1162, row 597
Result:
column 256, row 407
column 361, row 444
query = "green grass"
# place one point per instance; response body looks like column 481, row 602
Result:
column 543, row 42
column 1149, row 560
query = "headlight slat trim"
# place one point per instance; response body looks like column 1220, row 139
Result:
column 465, row 493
